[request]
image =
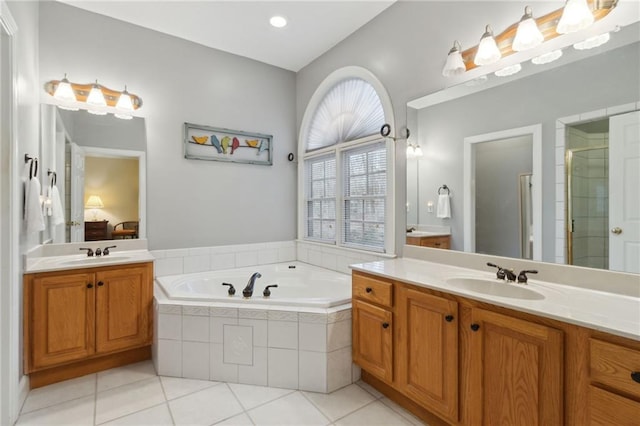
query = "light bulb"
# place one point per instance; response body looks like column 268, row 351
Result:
column 410, row 151
column 96, row 98
column 488, row 52
column 528, row 34
column 575, row 17
column 545, row 58
column 510, row 70
column 278, row 21
column 455, row 64
column 418, row 151
column 64, row 91
column 124, row 101
column 592, row 42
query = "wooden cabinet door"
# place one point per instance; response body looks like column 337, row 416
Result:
column 428, row 350
column 123, row 308
column 515, row 371
column 373, row 339
column 62, row 326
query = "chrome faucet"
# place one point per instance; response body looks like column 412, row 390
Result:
column 248, row 290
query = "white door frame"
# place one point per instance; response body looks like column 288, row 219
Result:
column 13, row 386
column 469, row 211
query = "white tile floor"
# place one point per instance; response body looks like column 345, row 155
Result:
column 135, row 395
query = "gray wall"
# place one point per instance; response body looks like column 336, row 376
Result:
column 597, row 82
column 191, row 203
column 405, row 47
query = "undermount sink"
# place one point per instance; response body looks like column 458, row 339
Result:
column 495, row 288
column 94, row 260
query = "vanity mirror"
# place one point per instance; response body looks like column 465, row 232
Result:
column 532, row 161
column 100, row 163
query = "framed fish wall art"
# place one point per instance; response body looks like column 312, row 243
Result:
column 217, row 144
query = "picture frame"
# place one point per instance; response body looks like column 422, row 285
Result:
column 220, row 144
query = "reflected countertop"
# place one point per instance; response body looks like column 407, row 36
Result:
column 600, row 310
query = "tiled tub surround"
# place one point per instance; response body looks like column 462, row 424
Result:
column 202, row 259
column 307, row 348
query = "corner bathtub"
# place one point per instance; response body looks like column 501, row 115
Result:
column 299, row 285
column 298, row 338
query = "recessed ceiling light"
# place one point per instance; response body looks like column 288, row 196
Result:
column 278, row 21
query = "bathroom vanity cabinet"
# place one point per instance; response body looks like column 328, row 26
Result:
column 453, row 360
column 436, row 241
column 85, row 320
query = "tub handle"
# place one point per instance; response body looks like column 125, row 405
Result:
column 232, row 289
column 267, row 292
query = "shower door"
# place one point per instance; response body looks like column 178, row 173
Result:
column 588, row 207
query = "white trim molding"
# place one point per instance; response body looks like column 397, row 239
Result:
column 536, row 180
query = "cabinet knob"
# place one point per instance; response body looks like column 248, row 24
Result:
column 100, row 283
column 448, row 318
column 475, row 327
column 635, row 376
column 368, row 289
column 89, row 285
column 385, row 325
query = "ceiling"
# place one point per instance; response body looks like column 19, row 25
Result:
column 242, row 27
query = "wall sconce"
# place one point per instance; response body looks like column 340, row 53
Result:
column 95, row 98
column 94, row 203
column 529, row 32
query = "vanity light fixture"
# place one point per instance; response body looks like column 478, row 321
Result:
column 417, row 151
column 95, row 98
column 592, row 42
column 528, row 34
column 575, row 17
column 548, row 57
column 455, row 64
column 488, row 52
column 510, row 70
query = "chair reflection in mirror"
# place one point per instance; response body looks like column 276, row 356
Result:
column 128, row 229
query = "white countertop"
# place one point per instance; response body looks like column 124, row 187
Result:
column 609, row 312
column 76, row 261
column 418, row 234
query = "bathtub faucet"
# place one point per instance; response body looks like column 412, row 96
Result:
column 248, row 290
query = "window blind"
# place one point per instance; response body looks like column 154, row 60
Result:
column 364, row 198
column 320, row 197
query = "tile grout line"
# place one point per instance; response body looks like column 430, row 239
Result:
column 166, row 400
column 317, row 408
column 135, row 412
column 95, row 399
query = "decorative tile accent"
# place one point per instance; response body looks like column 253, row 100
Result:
column 252, row 313
column 312, row 317
column 164, row 308
column 223, row 312
column 196, row 310
column 238, row 345
column 282, row 315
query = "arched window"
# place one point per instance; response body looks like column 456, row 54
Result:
column 347, row 168
column 349, row 111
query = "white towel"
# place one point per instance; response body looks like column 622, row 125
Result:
column 33, row 217
column 444, row 206
column 57, row 214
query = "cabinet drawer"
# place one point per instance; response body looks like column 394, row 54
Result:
column 372, row 290
column 606, row 408
column 613, row 365
column 436, row 242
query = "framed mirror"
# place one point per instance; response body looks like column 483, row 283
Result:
column 100, row 172
column 512, row 196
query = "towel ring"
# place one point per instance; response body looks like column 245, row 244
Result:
column 445, row 187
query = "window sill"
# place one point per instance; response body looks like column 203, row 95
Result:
column 349, row 249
